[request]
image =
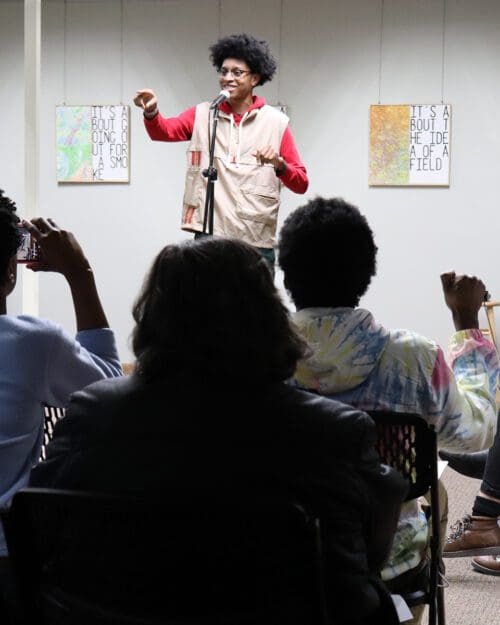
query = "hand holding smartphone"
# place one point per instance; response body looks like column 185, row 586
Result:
column 47, row 247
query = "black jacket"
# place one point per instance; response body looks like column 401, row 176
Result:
column 122, row 436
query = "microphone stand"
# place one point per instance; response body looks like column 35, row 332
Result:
column 211, row 174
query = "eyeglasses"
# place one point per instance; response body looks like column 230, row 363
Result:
column 236, row 72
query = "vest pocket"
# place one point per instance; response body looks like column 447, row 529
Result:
column 194, row 187
column 258, row 203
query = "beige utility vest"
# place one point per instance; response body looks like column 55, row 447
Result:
column 247, row 194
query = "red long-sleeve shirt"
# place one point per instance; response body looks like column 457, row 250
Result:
column 180, row 128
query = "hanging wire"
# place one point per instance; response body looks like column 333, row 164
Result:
column 279, row 52
column 219, row 25
column 380, row 48
column 65, row 28
column 443, row 51
column 121, row 51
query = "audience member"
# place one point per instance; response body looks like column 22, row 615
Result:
column 328, row 255
column 478, row 534
column 39, row 362
column 208, row 409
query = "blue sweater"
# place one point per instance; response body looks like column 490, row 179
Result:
column 41, row 364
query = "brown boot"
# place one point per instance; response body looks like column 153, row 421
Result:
column 473, row 536
column 489, row 565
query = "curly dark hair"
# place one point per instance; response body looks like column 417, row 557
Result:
column 209, row 310
column 256, row 54
column 327, row 254
column 10, row 239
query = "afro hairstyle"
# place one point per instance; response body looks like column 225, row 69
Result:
column 327, row 253
column 256, row 54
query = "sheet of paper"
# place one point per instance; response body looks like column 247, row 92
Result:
column 441, row 466
column 402, row 608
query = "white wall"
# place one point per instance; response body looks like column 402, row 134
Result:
column 329, row 75
column 12, row 112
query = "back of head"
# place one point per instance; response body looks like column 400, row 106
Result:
column 255, row 52
column 9, row 233
column 327, row 253
column 209, row 312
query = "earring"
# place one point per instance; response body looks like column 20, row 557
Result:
column 11, row 277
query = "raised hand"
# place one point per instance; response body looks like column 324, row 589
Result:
column 59, row 250
column 147, row 100
column 464, row 296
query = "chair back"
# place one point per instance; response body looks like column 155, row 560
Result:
column 406, row 442
column 52, row 414
column 94, row 559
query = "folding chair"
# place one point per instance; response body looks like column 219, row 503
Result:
column 93, row 559
column 489, row 308
column 408, row 443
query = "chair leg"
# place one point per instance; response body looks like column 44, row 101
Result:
column 432, row 611
column 433, row 585
column 441, row 616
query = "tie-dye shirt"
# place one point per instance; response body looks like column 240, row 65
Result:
column 357, row 361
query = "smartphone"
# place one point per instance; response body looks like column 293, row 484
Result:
column 29, row 250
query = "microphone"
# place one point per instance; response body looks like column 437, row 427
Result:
column 222, row 97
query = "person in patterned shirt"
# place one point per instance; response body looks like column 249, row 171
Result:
column 328, row 255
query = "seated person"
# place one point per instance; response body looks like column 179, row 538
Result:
column 208, row 410
column 328, row 255
column 39, row 362
column 478, row 534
